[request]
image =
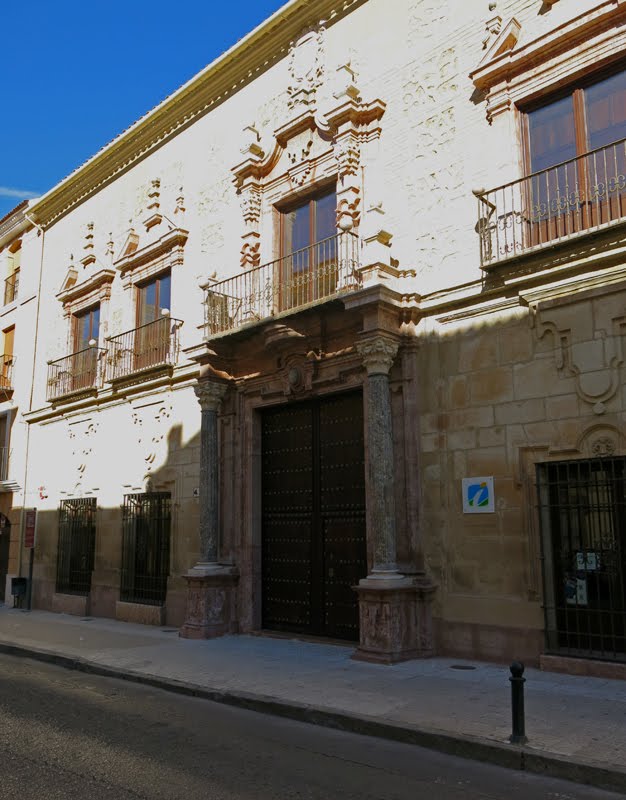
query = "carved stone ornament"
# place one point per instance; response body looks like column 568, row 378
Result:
column 348, row 154
column 250, row 202
column 378, row 354
column 210, row 394
column 604, row 446
column 306, row 66
column 593, row 362
column 297, row 374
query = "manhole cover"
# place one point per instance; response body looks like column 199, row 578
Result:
column 462, row 666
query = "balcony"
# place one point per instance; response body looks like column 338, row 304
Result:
column 320, row 272
column 6, row 372
column 556, row 205
column 77, row 373
column 11, row 285
column 148, row 347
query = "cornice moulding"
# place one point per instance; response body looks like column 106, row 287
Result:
column 252, row 55
column 13, row 228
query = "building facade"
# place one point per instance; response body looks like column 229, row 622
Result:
column 20, row 267
column 334, row 340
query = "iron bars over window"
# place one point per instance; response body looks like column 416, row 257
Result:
column 582, row 508
column 318, row 272
column 572, row 198
column 145, row 547
column 77, row 539
column 146, row 347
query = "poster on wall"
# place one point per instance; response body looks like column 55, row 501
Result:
column 478, row 495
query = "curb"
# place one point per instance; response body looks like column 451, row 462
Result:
column 510, row 756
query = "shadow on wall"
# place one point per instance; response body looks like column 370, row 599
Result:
column 126, row 561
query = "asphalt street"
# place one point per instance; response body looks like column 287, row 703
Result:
column 65, row 734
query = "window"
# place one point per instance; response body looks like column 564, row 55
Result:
column 576, row 159
column 308, row 238
column 12, row 282
column 5, row 438
column 84, row 359
column 77, row 540
column 6, row 368
column 86, row 328
column 152, row 339
column 583, row 523
column 145, row 547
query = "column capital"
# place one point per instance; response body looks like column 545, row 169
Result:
column 210, row 394
column 378, row 354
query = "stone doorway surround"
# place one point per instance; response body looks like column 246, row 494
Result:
column 333, row 347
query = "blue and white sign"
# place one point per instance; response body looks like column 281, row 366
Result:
column 478, row 496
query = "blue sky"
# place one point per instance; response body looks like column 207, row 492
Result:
column 75, row 74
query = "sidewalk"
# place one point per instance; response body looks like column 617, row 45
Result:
column 576, row 726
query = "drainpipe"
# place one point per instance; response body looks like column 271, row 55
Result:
column 42, row 233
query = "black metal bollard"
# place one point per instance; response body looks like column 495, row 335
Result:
column 517, row 703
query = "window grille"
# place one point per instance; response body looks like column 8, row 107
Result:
column 145, row 547
column 77, row 539
column 583, row 531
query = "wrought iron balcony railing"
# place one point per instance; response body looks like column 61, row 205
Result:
column 5, row 453
column 572, row 198
column 155, row 344
column 11, row 285
column 78, row 372
column 319, row 272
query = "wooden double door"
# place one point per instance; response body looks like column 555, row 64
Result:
column 313, row 516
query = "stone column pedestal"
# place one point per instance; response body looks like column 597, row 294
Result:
column 211, row 602
column 395, row 620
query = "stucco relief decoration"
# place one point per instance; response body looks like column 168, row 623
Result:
column 306, row 67
column 81, row 436
column 594, row 362
column 437, row 170
column 210, row 203
column 302, row 168
column 157, row 443
column 152, row 445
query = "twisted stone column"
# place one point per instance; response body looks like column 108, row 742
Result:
column 378, row 354
column 209, row 394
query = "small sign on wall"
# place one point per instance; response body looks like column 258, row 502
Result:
column 478, row 496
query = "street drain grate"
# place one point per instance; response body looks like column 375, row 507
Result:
column 462, row 666
column 169, row 630
column 86, row 619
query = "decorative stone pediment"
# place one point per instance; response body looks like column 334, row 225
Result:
column 504, row 41
column 159, row 255
column 93, row 288
column 510, row 73
column 131, row 243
